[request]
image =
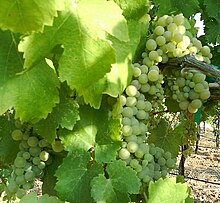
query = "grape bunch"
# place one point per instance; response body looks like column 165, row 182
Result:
column 30, row 161
column 190, row 89
column 171, row 39
column 150, row 162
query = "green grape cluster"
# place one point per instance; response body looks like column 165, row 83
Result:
column 150, row 162
column 171, row 39
column 29, row 162
column 190, row 89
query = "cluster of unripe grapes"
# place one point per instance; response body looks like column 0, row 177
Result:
column 189, row 89
column 145, row 93
column 150, row 162
column 30, row 161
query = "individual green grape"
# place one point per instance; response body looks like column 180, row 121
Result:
column 170, row 47
column 198, row 77
column 138, row 168
column 147, row 179
column 131, row 101
column 148, row 157
column 20, row 180
column 167, row 155
column 153, row 75
column 43, row 143
column 141, row 114
column 153, row 90
column 198, row 88
column 193, row 95
column 132, row 147
column 20, row 193
column 151, row 44
column 37, row 171
column 181, row 81
column 41, row 165
column 159, row 30
column 184, row 105
column 139, row 153
column 141, row 104
column 26, row 155
column 136, row 71
column 126, row 121
column 36, row 160
column 131, row 90
column 29, row 176
column 153, row 150
column 161, row 40
column 32, row 141
column 196, row 103
column 164, row 173
column 44, row 156
column 167, row 35
column 144, row 69
column 17, row 135
column 127, row 130
column 191, row 109
column 170, row 163
column 127, row 112
column 136, row 130
column 204, row 95
column 178, row 19
column 124, row 154
column 19, row 162
column 182, row 45
column 157, row 175
column 57, row 146
column 148, row 106
column 134, row 163
column 153, row 55
column 205, row 50
column 161, row 161
column 19, row 171
column 27, row 186
column 145, row 88
column 34, row 151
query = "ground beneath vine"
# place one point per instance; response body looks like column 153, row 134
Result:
column 204, row 166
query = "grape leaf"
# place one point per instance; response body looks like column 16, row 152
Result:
column 32, row 197
column 8, row 147
column 116, row 80
column 104, row 191
column 74, row 177
column 27, row 16
column 87, row 55
column 121, row 182
column 133, row 9
column 187, row 7
column 166, row 138
column 212, row 7
column 175, row 192
column 33, row 94
column 10, row 59
column 108, row 141
column 212, row 31
column 172, row 105
column 92, row 123
column 65, row 114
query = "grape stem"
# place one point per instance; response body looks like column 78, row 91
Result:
column 190, row 61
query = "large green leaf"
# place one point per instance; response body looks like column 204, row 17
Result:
column 187, row 7
column 27, row 16
column 92, row 128
column 121, row 182
column 74, row 177
column 8, row 147
column 166, row 138
column 32, row 197
column 65, row 115
column 10, row 59
column 87, row 55
column 212, row 7
column 33, row 93
column 108, row 141
column 212, row 30
column 167, row 190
